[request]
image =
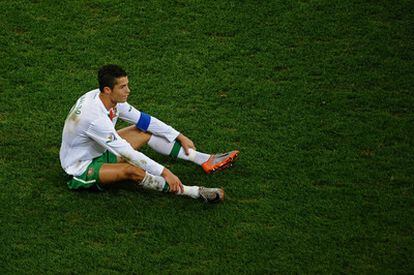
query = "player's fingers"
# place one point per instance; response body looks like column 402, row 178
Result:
column 181, row 187
column 187, row 150
column 173, row 188
column 178, row 185
column 191, row 145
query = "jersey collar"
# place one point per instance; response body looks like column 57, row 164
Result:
column 101, row 105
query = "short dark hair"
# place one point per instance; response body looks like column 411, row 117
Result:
column 108, row 74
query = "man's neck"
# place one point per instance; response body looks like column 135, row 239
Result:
column 106, row 101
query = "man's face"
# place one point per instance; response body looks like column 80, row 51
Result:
column 120, row 92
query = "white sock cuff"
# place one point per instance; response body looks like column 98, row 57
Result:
column 154, row 182
column 191, row 154
column 145, row 179
column 191, row 191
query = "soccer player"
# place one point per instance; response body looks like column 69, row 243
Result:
column 96, row 155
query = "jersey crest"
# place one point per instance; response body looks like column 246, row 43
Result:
column 113, row 112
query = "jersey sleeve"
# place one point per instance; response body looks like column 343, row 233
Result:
column 146, row 123
column 104, row 133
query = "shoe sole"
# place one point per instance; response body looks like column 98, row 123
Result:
column 218, row 198
column 221, row 196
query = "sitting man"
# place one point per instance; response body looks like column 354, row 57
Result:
column 96, row 155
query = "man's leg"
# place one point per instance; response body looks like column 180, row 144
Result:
column 175, row 150
column 137, row 139
column 209, row 163
column 110, row 173
column 106, row 170
column 134, row 136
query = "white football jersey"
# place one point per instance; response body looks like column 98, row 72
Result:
column 89, row 131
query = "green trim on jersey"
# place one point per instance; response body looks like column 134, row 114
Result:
column 175, row 150
column 90, row 177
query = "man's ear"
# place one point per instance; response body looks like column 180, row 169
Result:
column 107, row 90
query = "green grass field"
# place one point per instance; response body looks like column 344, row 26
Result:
column 316, row 94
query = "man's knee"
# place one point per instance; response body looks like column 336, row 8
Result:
column 145, row 136
column 134, row 136
column 133, row 173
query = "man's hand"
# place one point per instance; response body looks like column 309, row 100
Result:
column 173, row 181
column 186, row 143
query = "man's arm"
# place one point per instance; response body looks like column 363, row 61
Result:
column 103, row 132
column 146, row 123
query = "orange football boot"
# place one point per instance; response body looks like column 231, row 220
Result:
column 220, row 161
